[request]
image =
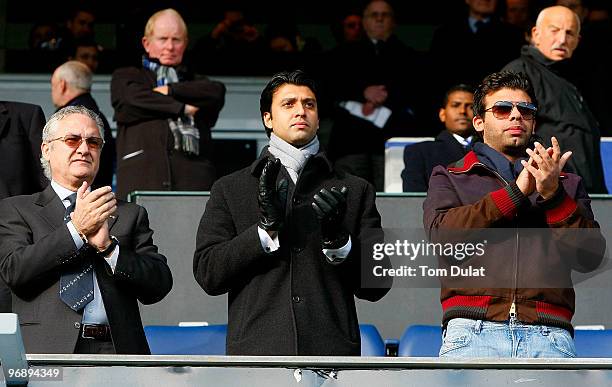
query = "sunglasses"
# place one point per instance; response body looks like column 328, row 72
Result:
column 502, row 109
column 74, row 141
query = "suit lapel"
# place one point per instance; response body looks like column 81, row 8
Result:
column 113, row 220
column 52, row 208
column 456, row 149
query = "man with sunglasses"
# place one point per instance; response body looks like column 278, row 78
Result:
column 77, row 260
column 543, row 229
column 563, row 111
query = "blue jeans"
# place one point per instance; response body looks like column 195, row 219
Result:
column 465, row 338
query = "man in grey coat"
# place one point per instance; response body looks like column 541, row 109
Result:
column 283, row 238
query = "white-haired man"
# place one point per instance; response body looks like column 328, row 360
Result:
column 77, row 260
column 163, row 115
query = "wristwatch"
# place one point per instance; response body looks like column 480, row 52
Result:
column 114, row 242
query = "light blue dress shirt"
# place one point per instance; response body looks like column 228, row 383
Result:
column 94, row 312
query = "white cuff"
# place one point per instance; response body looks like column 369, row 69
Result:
column 338, row 255
column 112, row 259
column 75, row 235
column 269, row 244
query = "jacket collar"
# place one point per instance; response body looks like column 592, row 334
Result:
column 466, row 163
column 470, row 160
column 320, row 158
column 84, row 99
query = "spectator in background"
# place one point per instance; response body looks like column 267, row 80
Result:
column 481, row 27
column 44, row 54
column 20, row 137
column 563, row 112
column 163, row 115
column 21, row 127
column 79, row 25
column 71, row 86
column 232, row 40
column 450, row 145
column 592, row 59
column 87, row 52
column 349, row 28
column 518, row 13
column 287, row 48
column 579, row 7
column 370, row 81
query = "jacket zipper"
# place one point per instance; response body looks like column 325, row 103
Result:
column 512, row 311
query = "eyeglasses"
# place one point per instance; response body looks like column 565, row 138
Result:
column 74, row 141
column 502, row 109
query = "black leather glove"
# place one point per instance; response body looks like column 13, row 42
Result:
column 330, row 208
column 271, row 198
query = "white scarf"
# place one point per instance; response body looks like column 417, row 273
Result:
column 292, row 158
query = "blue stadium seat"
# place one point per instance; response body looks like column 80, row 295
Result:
column 421, row 341
column 593, row 343
column 606, row 160
column 176, row 340
column 210, row 340
column 372, row 343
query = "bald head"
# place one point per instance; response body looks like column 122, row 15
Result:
column 556, row 33
column 68, row 81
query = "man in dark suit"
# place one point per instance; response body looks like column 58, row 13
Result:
column 20, row 129
column 453, row 42
column 368, row 83
column 71, row 86
column 283, row 238
column 20, row 132
column 450, row 145
column 78, row 261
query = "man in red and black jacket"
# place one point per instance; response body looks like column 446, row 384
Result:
column 539, row 224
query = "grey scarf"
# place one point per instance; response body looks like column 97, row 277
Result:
column 292, row 158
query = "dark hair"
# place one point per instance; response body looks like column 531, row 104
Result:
column 498, row 81
column 296, row 77
column 459, row 87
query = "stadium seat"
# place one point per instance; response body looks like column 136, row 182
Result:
column 421, row 341
column 176, row 340
column 372, row 343
column 593, row 343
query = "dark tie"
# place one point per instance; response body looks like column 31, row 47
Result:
column 479, row 25
column 380, row 47
column 76, row 282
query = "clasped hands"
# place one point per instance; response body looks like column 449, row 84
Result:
column 374, row 96
column 541, row 172
column 91, row 214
